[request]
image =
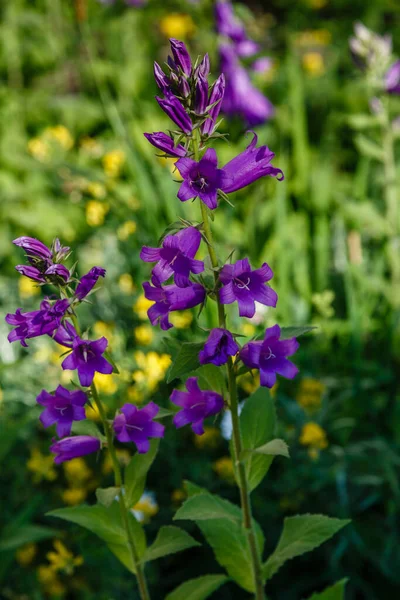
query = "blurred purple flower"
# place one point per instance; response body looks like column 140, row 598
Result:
column 88, row 281
column 244, row 286
column 269, row 356
column 63, row 407
column 74, row 447
column 228, row 25
column 219, row 345
column 392, row 79
column 169, row 298
column 262, row 64
column 175, row 257
column 196, row 405
column 136, row 425
column 163, row 142
column 87, row 358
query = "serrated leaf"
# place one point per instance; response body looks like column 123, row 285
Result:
column 204, row 507
column 198, row 589
column 169, row 540
column 136, row 473
column 334, row 592
column 186, row 361
column 289, row 332
column 272, row 448
column 106, row 496
column 301, row 534
column 87, row 427
column 25, row 534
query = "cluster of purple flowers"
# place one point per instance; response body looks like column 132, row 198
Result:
column 241, row 96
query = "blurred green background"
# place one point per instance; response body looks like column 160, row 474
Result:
column 76, row 95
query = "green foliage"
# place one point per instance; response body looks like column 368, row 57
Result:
column 272, row 448
column 136, row 472
column 198, row 589
column 186, row 361
column 168, row 541
column 106, row 496
column 15, row 536
column 334, row 592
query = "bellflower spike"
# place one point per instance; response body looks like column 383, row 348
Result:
column 242, row 285
column 74, row 447
column 270, row 356
column 202, row 179
column 163, row 142
column 174, row 109
column 249, row 166
column 175, row 257
column 201, row 100
column 63, row 407
column 88, row 282
column 204, row 67
column 86, row 357
column 216, row 97
column 392, row 79
column 65, row 334
column 136, row 425
column 219, row 345
column 181, row 56
column 38, row 322
column 169, row 298
column 23, row 326
column 161, row 79
column 59, row 271
column 33, row 248
column 31, row 272
column 196, row 405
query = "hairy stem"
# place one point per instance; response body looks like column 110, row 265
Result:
column 233, row 397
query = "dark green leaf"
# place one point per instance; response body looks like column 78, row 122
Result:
column 186, row 361
column 289, row 332
column 334, row 592
column 198, row 589
column 106, row 496
column 136, row 473
column 168, row 541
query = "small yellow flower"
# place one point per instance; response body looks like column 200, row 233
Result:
column 105, row 384
column 125, row 283
column 126, row 229
column 250, row 382
column 74, row 496
column 26, row 554
column 210, row 439
column 91, row 147
column 169, row 163
column 113, row 162
column 62, row 559
column 61, row 135
column 153, row 367
column 92, row 413
column 179, row 26
column 135, row 395
column 178, row 496
column 67, row 376
column 39, row 149
column 313, row 63
column 76, row 471
column 103, row 329
column 123, row 456
column 144, row 334
column 96, row 212
column 141, row 307
column 41, row 466
column 248, row 329
column 313, row 37
column 224, row 469
column 314, row 436
column 146, row 508
column 310, row 393
column 49, row 580
column 27, row 288
column 96, row 190
column 181, row 320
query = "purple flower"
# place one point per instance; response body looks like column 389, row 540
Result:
column 32, row 272
column 181, row 56
column 174, row 109
column 196, row 405
column 216, row 96
column 392, row 79
column 201, row 99
column 202, row 179
column 269, row 356
column 204, row 67
column 65, row 334
column 244, row 286
column 219, row 345
column 39, row 322
column 163, row 142
column 63, row 407
column 175, row 257
column 23, row 326
column 230, row 26
column 73, row 447
column 136, row 425
column 86, row 357
column 33, row 248
column 59, row 271
column 88, row 281
column 161, row 79
column 262, row 65
column 169, row 298
column 249, row 166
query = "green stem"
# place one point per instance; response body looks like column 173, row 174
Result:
column 392, row 215
column 233, row 397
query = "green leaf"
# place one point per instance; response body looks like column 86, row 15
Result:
column 25, row 534
column 257, row 423
column 205, row 507
column 369, row 148
column 87, row 427
column 301, row 534
column 110, row 359
column 106, row 524
column 168, row 541
column 106, row 496
column 289, row 332
column 163, row 413
column 272, row 448
column 192, row 488
column 198, row 589
column 211, row 378
column 136, row 472
column 334, row 592
column 186, row 361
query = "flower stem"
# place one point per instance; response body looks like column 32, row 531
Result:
column 233, row 397
column 144, row 593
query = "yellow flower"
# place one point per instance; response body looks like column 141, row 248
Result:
column 146, row 508
column 210, row 439
column 92, row 413
column 249, row 382
column 125, row 283
column 113, row 162
column 39, row 149
column 91, row 147
column 248, row 329
column 141, row 307
column 169, row 163
column 310, row 393
column 96, row 212
column 96, row 189
column 134, row 394
column 144, row 334
column 74, row 496
column 313, row 63
column 181, row 320
column 76, row 471
column 49, row 581
column 316, row 37
column 26, row 554
column 177, row 25
column 123, row 456
column 152, row 367
column 105, row 384
column 41, row 466
column 314, row 436
column 178, row 496
column 61, row 135
column 224, row 469
column 27, row 288
column 62, row 559
column 126, row 229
